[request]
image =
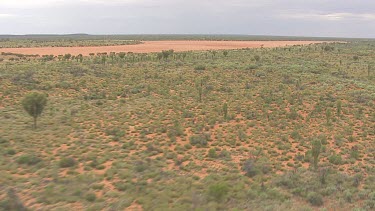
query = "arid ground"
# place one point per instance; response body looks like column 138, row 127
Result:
column 289, row 128
column 157, row 46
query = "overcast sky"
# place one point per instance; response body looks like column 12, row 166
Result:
column 342, row 18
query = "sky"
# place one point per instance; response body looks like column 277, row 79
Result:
column 322, row 18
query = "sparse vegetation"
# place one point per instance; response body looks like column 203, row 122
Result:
column 249, row 129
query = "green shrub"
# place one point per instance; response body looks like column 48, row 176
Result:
column 116, row 133
column 90, row 197
column 370, row 203
column 28, row 159
column 11, row 152
column 200, row 67
column 199, row 140
column 218, row 191
column 212, row 153
column 315, row 199
column 12, row 202
column 348, row 196
column 335, row 159
column 67, row 162
column 260, row 74
column 224, row 154
column 140, row 166
column 354, row 153
column 3, row 140
column 295, row 135
column 250, row 168
column 251, row 67
column 323, row 139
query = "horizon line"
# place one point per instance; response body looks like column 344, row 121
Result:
column 180, row 34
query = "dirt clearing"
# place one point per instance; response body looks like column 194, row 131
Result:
column 157, row 46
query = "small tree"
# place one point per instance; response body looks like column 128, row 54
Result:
column 213, row 54
column 167, row 53
column 80, row 58
column 34, row 103
column 328, row 115
column 368, row 70
column 200, row 90
column 122, row 55
column 184, row 55
column 159, row 56
column 67, row 56
column 225, row 110
column 315, row 151
column 225, row 53
column 112, row 55
column 104, row 59
column 323, row 174
column 13, row 202
column 250, row 168
column 339, row 107
column 200, row 84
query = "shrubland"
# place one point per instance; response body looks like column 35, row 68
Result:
column 251, row 129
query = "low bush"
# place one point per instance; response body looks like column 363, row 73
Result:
column 250, row 168
column 199, row 140
column 67, row 162
column 335, row 159
column 28, row 159
column 90, row 197
column 200, row 67
column 212, row 153
column 218, row 191
column 315, row 199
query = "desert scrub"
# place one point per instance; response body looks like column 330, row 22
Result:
column 315, row 199
column 218, row 191
column 200, row 140
column 67, row 162
column 28, row 159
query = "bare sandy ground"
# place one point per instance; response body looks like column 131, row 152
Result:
column 157, row 46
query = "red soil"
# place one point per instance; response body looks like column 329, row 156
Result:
column 157, row 46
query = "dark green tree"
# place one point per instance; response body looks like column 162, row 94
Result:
column 34, row 103
column 67, row 56
column 79, row 58
column 328, row 115
column 225, row 110
column 315, row 151
column 167, row 53
column 122, row 55
column 160, row 56
column 201, row 87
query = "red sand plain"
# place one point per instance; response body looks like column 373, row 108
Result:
column 157, row 46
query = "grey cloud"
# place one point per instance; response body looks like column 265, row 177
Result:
column 271, row 17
